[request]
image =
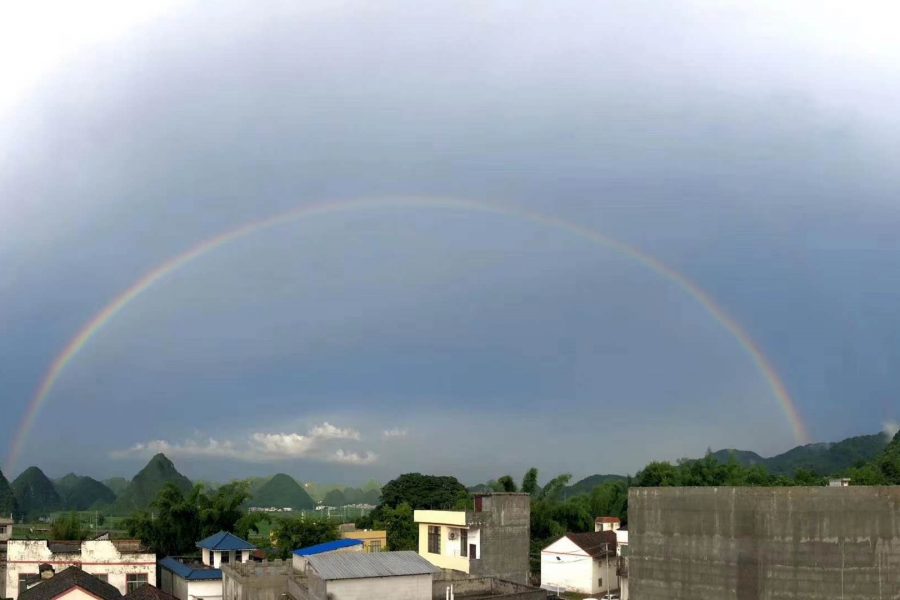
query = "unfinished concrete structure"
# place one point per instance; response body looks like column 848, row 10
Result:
column 490, row 541
column 743, row 543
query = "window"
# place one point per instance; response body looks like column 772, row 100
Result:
column 600, row 582
column 463, row 542
column 104, row 577
column 225, row 557
column 135, row 580
column 375, row 546
column 2, row 529
column 434, row 539
column 23, row 581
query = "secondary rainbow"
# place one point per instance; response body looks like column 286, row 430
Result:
column 91, row 328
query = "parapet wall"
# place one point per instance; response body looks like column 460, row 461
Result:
column 776, row 543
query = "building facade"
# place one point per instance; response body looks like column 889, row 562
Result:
column 6, row 528
column 373, row 540
column 124, row 564
column 708, row 543
column 372, row 576
column 490, row 541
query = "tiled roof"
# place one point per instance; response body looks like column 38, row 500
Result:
column 607, row 520
column 597, row 544
column 224, row 541
column 70, row 578
column 377, row 564
column 64, row 547
column 149, row 592
column 328, row 547
column 190, row 573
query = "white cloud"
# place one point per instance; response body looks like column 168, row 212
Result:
column 353, row 458
column 891, row 428
column 396, row 432
column 327, row 431
column 261, row 447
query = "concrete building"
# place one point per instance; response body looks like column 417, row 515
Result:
column 622, row 573
column 374, row 540
column 373, row 576
column 270, row 580
column 71, row 582
column 584, row 563
column 490, row 541
column 845, row 482
column 6, row 528
column 301, row 556
column 124, row 564
column 750, row 542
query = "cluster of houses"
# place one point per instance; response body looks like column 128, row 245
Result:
column 476, row 554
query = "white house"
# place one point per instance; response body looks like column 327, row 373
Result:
column 584, row 563
column 6, row 528
column 124, row 564
column 190, row 580
column 607, row 524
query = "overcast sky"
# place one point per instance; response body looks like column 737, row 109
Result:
column 752, row 147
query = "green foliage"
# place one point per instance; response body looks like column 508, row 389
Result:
column 84, row 493
column 556, row 488
column 402, row 532
column 423, row 491
column 35, row 494
column 507, row 484
column 586, row 485
column 8, row 503
column 282, row 491
column 157, row 475
column 67, row 527
column 530, row 481
column 334, row 498
column 177, row 521
column 293, row 534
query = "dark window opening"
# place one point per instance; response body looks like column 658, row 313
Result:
column 434, row 539
column 463, row 542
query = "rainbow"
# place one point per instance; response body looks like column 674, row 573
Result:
column 92, row 327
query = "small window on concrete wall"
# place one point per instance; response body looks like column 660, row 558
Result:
column 434, row 539
column 600, row 582
column 135, row 580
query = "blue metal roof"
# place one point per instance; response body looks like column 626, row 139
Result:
column 189, row 573
column 327, row 547
column 224, row 541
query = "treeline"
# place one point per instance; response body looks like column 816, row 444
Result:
column 338, row 497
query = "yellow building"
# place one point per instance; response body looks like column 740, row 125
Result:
column 373, row 540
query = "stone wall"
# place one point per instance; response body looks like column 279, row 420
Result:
column 256, row 580
column 775, row 543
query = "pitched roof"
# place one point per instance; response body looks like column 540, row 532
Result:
column 607, row 520
column 328, row 547
column 200, row 573
column 149, row 592
column 72, row 577
column 224, row 541
column 597, row 544
column 376, row 564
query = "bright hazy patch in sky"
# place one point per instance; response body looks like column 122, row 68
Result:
column 750, row 145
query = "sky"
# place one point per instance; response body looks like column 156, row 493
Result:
column 749, row 147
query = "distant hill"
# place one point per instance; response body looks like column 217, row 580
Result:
column 318, row 491
column 35, row 493
column 589, row 483
column 282, row 492
column 65, row 484
column 87, row 493
column 822, row 459
column 8, row 504
column 147, row 483
column 117, row 484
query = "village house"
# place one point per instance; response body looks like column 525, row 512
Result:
column 124, row 564
column 373, row 576
column 613, row 524
column 194, row 580
column 301, row 557
column 584, row 563
column 6, row 528
column 374, row 540
column 490, row 541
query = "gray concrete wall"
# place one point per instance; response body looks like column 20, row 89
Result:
column 505, row 523
column 805, row 543
column 255, row 581
column 409, row 587
column 486, row 588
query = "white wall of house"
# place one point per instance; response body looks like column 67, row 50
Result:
column 99, row 557
column 183, row 589
column 410, row 587
column 566, row 565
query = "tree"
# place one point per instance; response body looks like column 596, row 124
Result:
column 402, row 532
column 67, row 527
column 530, row 481
column 423, row 491
column 554, row 490
column 293, row 534
column 507, row 484
column 657, row 474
